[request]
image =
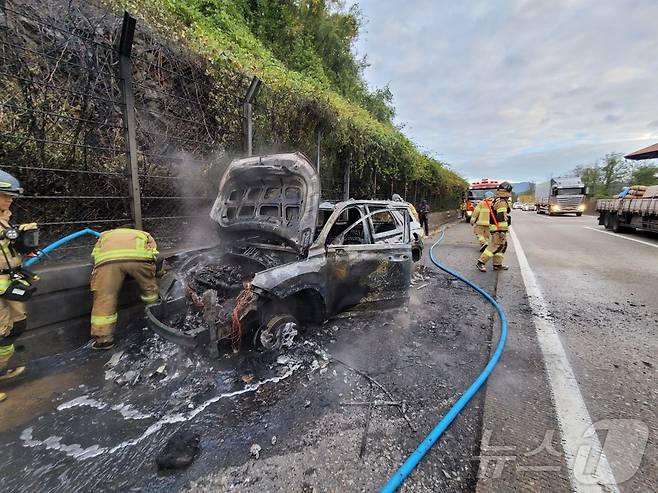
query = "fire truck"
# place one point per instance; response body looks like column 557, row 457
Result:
column 475, row 194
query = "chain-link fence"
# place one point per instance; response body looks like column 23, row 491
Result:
column 341, row 175
column 64, row 126
column 105, row 124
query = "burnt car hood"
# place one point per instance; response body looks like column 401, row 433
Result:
column 276, row 195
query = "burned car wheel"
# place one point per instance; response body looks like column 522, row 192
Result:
column 277, row 333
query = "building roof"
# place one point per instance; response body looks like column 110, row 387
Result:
column 650, row 152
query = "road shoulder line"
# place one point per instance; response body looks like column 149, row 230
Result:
column 616, row 235
column 578, row 440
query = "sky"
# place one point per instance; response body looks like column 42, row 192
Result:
column 517, row 89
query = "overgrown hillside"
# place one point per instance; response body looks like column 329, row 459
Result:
column 302, row 52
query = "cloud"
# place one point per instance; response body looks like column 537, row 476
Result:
column 484, row 88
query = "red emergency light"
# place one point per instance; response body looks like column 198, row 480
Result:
column 485, row 183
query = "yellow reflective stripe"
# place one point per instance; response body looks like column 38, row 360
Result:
column 6, row 351
column 4, row 284
column 149, row 297
column 123, row 254
column 104, row 320
column 487, row 253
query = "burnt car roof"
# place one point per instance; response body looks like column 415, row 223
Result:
column 328, row 205
column 277, row 195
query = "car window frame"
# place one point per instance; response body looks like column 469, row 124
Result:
column 385, row 234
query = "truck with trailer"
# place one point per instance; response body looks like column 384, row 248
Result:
column 561, row 195
column 630, row 213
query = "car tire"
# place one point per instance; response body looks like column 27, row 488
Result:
column 614, row 224
column 578, row 214
column 277, row 332
column 607, row 218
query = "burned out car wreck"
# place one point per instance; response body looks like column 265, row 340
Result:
column 285, row 260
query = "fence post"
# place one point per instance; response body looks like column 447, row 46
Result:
column 125, row 74
column 247, row 113
column 318, row 151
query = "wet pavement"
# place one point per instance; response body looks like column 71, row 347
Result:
column 90, row 421
column 342, row 408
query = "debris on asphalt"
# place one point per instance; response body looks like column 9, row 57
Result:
column 376, row 403
column 179, row 452
column 248, row 378
column 112, row 362
column 273, row 441
column 255, row 451
column 401, row 408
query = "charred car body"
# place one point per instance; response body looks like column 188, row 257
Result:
column 284, row 259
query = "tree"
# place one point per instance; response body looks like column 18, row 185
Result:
column 645, row 174
column 614, row 172
column 591, row 177
column 606, row 177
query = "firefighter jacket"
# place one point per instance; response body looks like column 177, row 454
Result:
column 7, row 253
column 499, row 215
column 124, row 244
column 481, row 213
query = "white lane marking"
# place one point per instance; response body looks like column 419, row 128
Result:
column 572, row 415
column 617, row 235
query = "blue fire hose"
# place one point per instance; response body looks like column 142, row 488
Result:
column 414, row 459
column 56, row 244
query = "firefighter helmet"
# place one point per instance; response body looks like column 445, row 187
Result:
column 9, row 184
column 505, row 185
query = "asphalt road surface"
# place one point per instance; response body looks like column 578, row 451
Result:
column 581, row 353
column 596, row 292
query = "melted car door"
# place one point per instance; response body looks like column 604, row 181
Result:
column 362, row 271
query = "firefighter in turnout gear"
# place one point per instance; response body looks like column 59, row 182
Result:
column 119, row 253
column 15, row 287
column 499, row 221
column 480, row 220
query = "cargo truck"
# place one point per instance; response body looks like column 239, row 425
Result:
column 561, row 195
column 630, row 213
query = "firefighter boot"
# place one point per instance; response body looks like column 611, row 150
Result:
column 501, row 267
column 6, row 353
column 12, row 373
column 481, row 266
column 99, row 345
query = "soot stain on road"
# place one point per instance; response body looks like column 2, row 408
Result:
column 298, row 406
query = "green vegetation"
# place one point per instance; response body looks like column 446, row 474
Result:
column 301, row 49
column 608, row 176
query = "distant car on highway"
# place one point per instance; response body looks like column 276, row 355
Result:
column 528, row 207
column 517, row 205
